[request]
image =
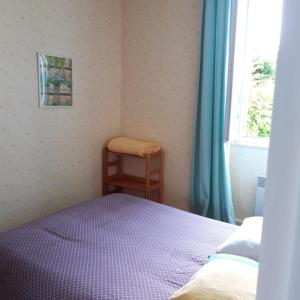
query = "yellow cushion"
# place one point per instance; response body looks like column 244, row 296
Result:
column 131, row 146
column 221, row 279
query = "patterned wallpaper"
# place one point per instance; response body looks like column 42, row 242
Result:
column 161, row 41
column 146, row 52
column 50, row 158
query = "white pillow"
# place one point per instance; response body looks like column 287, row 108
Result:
column 246, row 240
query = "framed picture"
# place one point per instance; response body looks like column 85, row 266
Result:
column 55, row 81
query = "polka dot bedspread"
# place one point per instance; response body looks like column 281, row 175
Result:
column 114, row 247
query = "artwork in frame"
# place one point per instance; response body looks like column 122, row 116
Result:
column 55, row 81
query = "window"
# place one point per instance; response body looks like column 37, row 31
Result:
column 256, row 26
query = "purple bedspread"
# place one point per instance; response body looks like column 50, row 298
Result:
column 115, row 247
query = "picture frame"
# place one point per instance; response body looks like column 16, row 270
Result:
column 55, row 80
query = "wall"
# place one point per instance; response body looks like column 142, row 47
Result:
column 161, row 41
column 246, row 163
column 146, row 50
column 50, row 158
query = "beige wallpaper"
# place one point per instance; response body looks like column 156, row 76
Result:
column 161, row 41
column 143, row 52
column 50, row 158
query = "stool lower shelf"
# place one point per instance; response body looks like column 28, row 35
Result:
column 132, row 182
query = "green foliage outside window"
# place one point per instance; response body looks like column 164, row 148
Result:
column 261, row 98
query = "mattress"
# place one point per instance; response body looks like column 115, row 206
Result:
column 114, row 247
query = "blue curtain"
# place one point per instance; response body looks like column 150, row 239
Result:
column 210, row 182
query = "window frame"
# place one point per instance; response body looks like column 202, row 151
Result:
column 231, row 52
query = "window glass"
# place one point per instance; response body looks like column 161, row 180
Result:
column 257, row 38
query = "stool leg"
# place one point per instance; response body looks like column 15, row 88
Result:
column 120, row 171
column 105, row 172
column 147, row 176
column 161, row 177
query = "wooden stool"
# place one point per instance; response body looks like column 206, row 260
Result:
column 121, row 180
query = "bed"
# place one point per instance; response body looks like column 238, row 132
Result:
column 114, row 247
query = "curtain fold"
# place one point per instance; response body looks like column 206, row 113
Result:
column 210, row 183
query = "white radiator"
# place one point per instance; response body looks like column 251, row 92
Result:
column 260, row 194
